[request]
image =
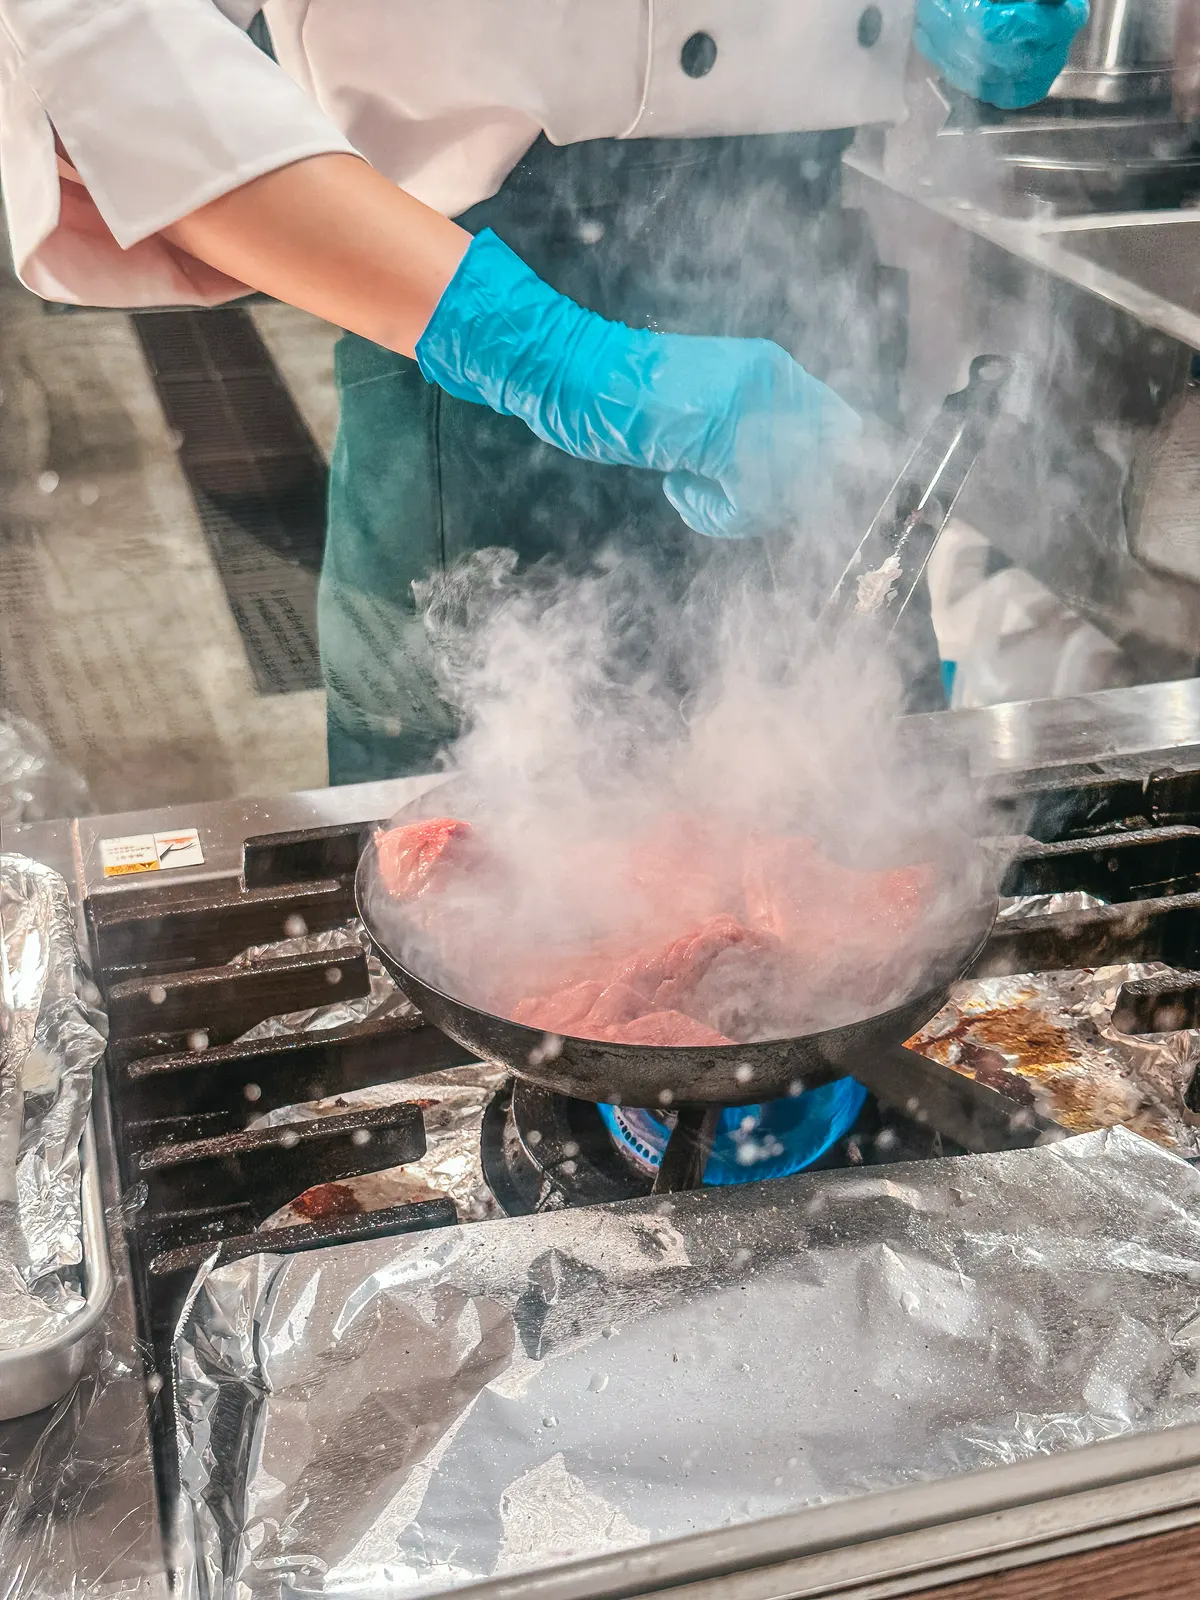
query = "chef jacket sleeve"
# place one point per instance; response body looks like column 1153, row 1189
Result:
column 162, row 106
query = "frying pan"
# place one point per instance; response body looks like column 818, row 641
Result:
column 654, row 1076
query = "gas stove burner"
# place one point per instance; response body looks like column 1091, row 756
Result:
column 544, row 1151
column 773, row 1140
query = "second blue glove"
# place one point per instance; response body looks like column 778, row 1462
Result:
column 1007, row 52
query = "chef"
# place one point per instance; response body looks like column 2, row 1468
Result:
column 634, row 334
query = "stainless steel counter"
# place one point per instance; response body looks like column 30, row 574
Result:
column 879, row 1545
column 1111, row 733
column 1144, row 262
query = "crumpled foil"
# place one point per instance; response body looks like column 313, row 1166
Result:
column 49, row 1045
column 404, row 1416
column 384, row 999
column 452, row 1102
column 1047, row 1040
column 1047, row 905
column 35, row 782
column 76, row 1474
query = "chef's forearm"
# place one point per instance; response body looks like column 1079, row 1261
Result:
column 332, row 236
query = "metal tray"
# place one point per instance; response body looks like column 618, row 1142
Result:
column 38, row 1375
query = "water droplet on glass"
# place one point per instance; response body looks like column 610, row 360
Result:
column 47, row 482
column 158, row 995
column 665, row 1096
column 598, row 1382
column 333, row 975
column 252, row 1092
column 743, row 1072
column 361, row 1136
column 534, row 1136
column 295, row 927
column 198, row 1040
column 568, row 1168
column 154, row 1384
column 289, row 1138
column 570, row 1148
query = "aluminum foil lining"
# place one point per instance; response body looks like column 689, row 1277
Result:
column 384, row 999
column 452, row 1104
column 35, row 782
column 49, row 1046
column 1047, row 905
column 404, row 1416
column 1047, row 1040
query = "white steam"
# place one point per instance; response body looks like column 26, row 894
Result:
column 604, row 711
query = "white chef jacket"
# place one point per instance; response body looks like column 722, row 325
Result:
column 164, row 105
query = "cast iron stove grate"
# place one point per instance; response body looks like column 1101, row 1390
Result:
column 196, row 1177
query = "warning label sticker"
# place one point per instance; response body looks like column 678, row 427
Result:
column 150, row 852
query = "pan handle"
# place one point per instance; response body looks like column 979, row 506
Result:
column 883, row 572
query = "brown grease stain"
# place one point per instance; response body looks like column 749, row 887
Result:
column 1019, row 1043
column 1023, row 1035
column 327, row 1200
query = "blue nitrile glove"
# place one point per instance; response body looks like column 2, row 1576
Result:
column 1007, row 52
column 736, row 425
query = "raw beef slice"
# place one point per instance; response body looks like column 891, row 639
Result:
column 642, row 1002
column 559, row 1013
column 826, row 912
column 666, row 1028
column 685, row 870
column 668, row 973
column 410, row 858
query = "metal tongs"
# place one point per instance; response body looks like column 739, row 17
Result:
column 883, row 572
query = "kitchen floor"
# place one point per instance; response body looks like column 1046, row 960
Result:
column 116, row 637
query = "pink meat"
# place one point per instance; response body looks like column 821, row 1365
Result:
column 412, row 859
column 781, row 883
column 665, row 1028
column 824, row 912
column 563, row 1012
column 616, row 1004
column 668, row 973
column 686, row 869
column 808, row 921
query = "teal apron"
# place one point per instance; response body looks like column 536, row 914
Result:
column 682, row 235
